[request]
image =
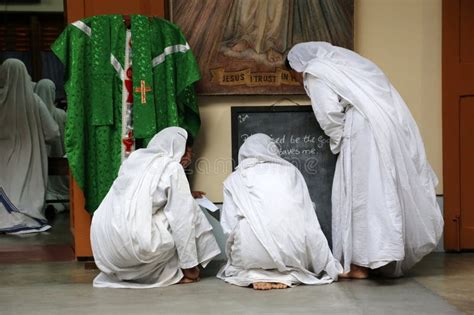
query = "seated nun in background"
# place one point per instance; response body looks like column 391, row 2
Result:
column 148, row 231
column 25, row 127
column 384, row 210
column 58, row 186
column 274, row 237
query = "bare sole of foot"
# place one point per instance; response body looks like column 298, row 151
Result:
column 262, row 285
column 359, row 275
column 277, row 285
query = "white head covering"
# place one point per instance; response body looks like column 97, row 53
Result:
column 15, row 87
column 302, row 54
column 46, row 89
column 170, row 144
column 259, row 148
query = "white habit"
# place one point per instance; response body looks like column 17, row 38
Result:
column 149, row 227
column 25, row 127
column 58, row 186
column 384, row 209
column 273, row 232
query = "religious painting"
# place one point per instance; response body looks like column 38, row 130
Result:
column 241, row 45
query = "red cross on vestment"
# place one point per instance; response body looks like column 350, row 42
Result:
column 143, row 89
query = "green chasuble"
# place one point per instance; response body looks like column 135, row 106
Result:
column 93, row 51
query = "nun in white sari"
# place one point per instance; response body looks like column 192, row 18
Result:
column 25, row 127
column 58, row 185
column 384, row 209
column 148, row 229
column 274, row 237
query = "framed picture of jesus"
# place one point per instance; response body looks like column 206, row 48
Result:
column 241, row 45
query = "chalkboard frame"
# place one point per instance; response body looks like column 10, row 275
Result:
column 236, row 110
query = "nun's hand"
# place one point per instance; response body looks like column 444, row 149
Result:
column 197, row 194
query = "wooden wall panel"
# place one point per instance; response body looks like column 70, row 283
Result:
column 78, row 9
column 458, row 123
column 146, row 7
column 467, row 171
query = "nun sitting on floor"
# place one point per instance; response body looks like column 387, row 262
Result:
column 274, row 237
column 149, row 231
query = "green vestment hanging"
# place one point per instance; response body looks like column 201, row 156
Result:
column 164, row 72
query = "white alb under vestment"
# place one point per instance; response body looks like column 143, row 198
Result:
column 273, row 232
column 384, row 209
column 58, row 185
column 25, row 127
column 149, row 227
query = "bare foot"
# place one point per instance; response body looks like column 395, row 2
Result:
column 191, row 273
column 274, row 56
column 276, row 285
column 262, row 286
column 240, row 46
column 357, row 272
column 185, row 280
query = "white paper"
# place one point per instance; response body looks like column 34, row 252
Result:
column 206, row 203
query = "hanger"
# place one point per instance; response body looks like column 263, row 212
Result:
column 126, row 20
column 285, row 99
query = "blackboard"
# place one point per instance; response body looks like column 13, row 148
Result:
column 301, row 141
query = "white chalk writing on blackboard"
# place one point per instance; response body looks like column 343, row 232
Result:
column 243, row 117
column 322, row 141
column 310, row 143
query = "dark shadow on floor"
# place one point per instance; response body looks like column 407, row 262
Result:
column 52, row 245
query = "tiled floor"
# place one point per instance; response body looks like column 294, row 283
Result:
column 65, row 288
column 450, row 276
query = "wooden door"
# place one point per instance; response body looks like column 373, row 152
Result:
column 76, row 10
column 458, row 123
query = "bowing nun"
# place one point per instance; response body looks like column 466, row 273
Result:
column 384, row 211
